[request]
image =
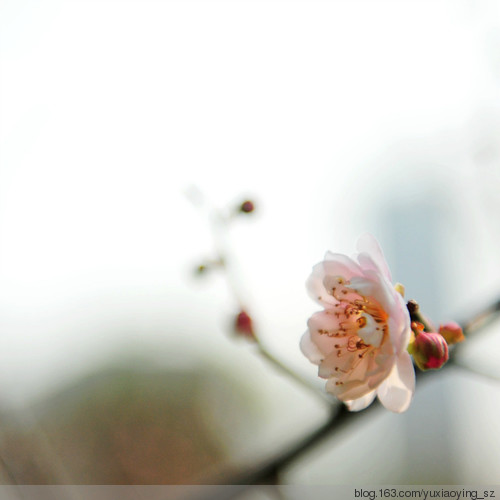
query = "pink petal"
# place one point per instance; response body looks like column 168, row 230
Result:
column 392, row 303
column 334, row 365
column 341, row 291
column 399, row 325
column 362, row 402
column 321, row 324
column 360, row 371
column 337, row 264
column 348, row 391
column 373, row 284
column 396, row 391
column 333, row 265
column 371, row 333
column 371, row 256
column 310, row 350
column 316, row 288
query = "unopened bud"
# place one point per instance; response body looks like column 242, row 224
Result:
column 429, row 350
column 452, row 332
column 247, row 207
column 243, row 325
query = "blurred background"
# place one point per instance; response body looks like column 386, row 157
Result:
column 117, row 364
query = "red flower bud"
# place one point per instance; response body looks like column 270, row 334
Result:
column 244, row 326
column 429, row 350
column 452, row 332
column 247, row 207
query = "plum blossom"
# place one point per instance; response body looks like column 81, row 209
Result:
column 360, row 338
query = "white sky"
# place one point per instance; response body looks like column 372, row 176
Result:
column 338, row 117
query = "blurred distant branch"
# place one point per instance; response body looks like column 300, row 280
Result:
column 219, row 223
column 478, row 322
column 482, row 319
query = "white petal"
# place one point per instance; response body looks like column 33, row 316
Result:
column 325, row 322
column 399, row 325
column 333, row 265
column 348, row 390
column 373, row 284
column 369, row 332
column 371, row 255
column 316, row 288
column 362, row 402
column 400, row 335
column 396, row 391
column 392, row 303
column 310, row 350
column 338, row 264
column 344, row 363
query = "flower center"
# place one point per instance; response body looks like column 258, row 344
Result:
column 360, row 330
column 355, row 311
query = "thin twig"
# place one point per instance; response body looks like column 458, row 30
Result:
column 292, row 374
column 218, row 225
column 8, row 472
column 481, row 319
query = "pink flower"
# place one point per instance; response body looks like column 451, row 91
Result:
column 360, row 338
